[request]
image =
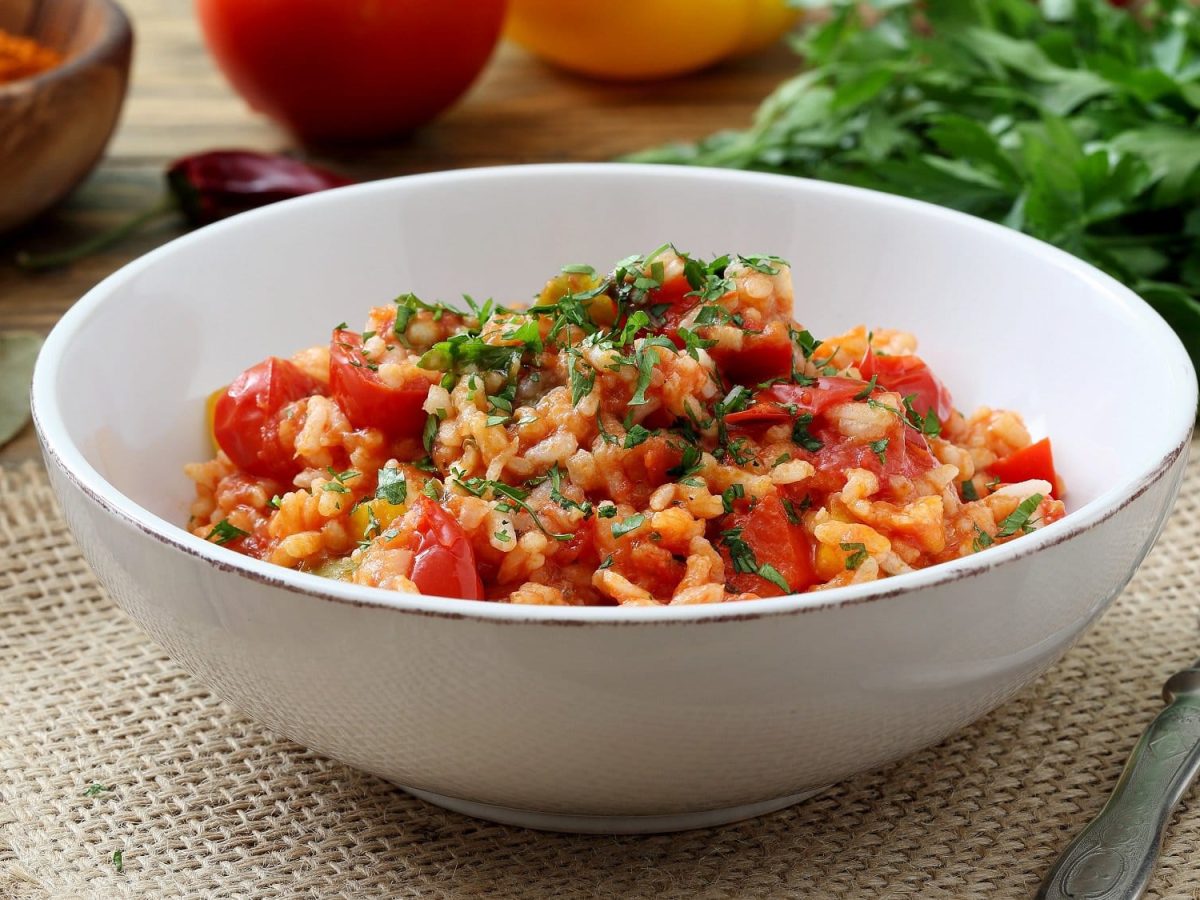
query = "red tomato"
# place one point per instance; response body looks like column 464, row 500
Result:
column 246, row 417
column 909, row 375
column 443, row 562
column 815, row 399
column 776, row 542
column 1034, row 461
column 762, row 357
column 351, row 69
column 365, row 399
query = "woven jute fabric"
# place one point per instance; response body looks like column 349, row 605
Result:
column 205, row 803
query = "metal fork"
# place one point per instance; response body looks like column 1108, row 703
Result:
column 1114, row 857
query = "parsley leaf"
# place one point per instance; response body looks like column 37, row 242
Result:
column 1019, row 518
column 879, row 448
column 392, row 488
column 633, row 523
column 224, row 532
column 858, row 555
column 1075, row 122
column 801, row 436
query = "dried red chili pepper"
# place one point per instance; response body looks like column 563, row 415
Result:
column 207, row 187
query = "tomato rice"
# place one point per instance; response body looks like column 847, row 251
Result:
column 665, row 433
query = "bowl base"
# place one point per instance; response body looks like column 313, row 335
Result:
column 526, row 818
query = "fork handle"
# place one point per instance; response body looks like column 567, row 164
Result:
column 1113, row 857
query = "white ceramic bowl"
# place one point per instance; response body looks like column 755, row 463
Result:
column 613, row 719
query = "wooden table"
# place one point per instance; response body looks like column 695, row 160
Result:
column 520, row 111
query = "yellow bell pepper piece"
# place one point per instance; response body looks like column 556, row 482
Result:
column 210, row 415
column 384, row 514
column 643, row 39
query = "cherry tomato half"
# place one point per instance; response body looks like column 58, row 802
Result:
column 246, row 417
column 444, row 563
column 815, row 399
column 909, row 375
column 775, row 542
column 365, row 399
column 1034, row 461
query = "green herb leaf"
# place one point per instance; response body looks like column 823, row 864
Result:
column 1019, row 518
column 801, row 436
column 392, row 487
column 879, row 448
column 858, row 555
column 1074, row 121
column 633, row 523
column 224, row 532
column 18, row 351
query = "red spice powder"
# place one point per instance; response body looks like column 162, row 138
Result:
column 22, row 57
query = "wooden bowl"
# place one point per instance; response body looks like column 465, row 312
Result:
column 54, row 126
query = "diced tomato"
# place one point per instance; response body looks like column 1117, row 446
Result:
column 674, row 295
column 245, row 419
column 909, row 375
column 762, row 357
column 365, row 399
column 443, row 562
column 1034, row 461
column 769, row 403
column 776, row 542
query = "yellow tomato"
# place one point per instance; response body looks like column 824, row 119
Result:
column 210, row 415
column 640, row 39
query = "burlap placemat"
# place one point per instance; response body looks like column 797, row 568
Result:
column 205, row 803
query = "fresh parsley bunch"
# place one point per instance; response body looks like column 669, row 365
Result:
column 1075, row 122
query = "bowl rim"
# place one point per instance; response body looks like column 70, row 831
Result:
column 61, row 452
column 118, row 30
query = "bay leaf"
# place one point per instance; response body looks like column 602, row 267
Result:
column 18, row 350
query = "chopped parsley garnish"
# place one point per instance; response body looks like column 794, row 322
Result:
column 868, row 390
column 633, row 523
column 645, row 360
column 805, row 341
column 224, row 532
column 581, row 382
column 730, row 494
column 781, row 459
column 430, row 431
column 503, row 536
column 858, row 555
column 606, row 564
column 606, row 510
column 97, row 789
column 879, row 448
column 275, row 502
column 766, row 265
column 789, row 510
column 1019, row 518
column 636, row 435
column 578, row 270
column 565, row 502
column 968, row 490
column 801, row 436
column 392, row 487
column 118, row 861
column 982, row 541
column 337, row 484
column 742, row 556
column 927, row 424
column 689, row 464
